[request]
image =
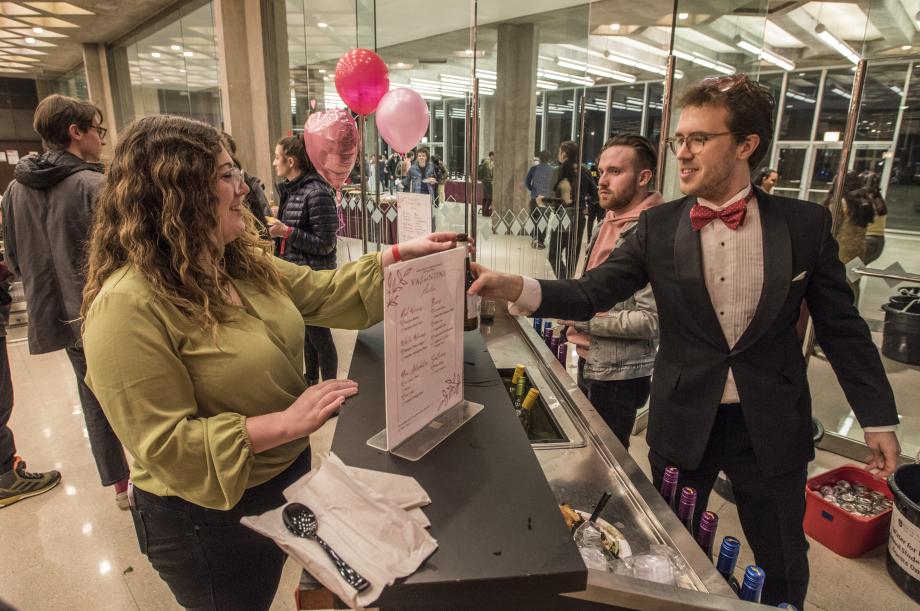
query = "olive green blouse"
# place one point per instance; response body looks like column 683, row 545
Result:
column 178, row 400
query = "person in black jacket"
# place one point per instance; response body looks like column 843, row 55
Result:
column 730, row 266
column 306, row 226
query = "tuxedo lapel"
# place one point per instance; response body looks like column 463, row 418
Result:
column 688, row 261
column 777, row 270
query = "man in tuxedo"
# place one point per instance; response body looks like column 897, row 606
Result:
column 730, row 266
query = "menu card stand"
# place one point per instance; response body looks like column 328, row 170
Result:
column 429, row 437
column 423, row 354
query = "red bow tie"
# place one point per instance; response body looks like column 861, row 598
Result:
column 732, row 215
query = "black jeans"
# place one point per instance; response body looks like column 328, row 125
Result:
column 7, row 443
column 208, row 559
column 875, row 244
column 559, row 239
column 106, row 448
column 771, row 507
column 319, row 354
column 617, row 401
column 538, row 215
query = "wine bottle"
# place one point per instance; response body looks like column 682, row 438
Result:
column 547, row 331
column 538, row 325
column 752, row 585
column 526, row 411
column 519, row 391
column 562, row 351
column 554, row 342
column 728, row 558
column 789, row 606
column 472, row 304
column 687, row 507
column 518, row 372
column 706, row 532
column 669, row 487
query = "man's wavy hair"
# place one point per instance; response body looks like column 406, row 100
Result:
column 158, row 212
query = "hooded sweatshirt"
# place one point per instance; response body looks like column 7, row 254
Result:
column 47, row 214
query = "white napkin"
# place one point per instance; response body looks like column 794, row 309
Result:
column 371, row 519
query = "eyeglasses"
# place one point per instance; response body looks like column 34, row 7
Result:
column 238, row 179
column 695, row 142
column 102, row 131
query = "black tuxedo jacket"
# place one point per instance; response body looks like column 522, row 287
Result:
column 767, row 362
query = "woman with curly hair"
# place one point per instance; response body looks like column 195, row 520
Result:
column 194, row 339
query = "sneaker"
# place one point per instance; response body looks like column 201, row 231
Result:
column 17, row 483
column 121, row 499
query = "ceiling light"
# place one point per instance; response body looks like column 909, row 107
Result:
column 187, row 53
column 30, row 40
column 156, row 80
column 469, row 51
column 155, row 54
column 702, row 60
column 181, row 69
column 917, row 20
column 683, row 15
column 896, row 89
column 614, row 26
column 798, row 96
column 322, row 71
column 595, row 70
column 175, row 47
column 38, row 30
column 905, row 47
column 841, row 93
column 322, row 25
column 541, row 84
column 773, row 58
column 836, row 44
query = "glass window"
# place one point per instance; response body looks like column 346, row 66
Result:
column 903, row 193
column 626, row 109
column 653, row 112
column 799, row 106
column 835, row 105
column 560, row 109
column 595, row 110
column 538, row 129
column 173, row 69
column 880, row 100
column 824, row 167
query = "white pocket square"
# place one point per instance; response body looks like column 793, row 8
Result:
column 799, row 277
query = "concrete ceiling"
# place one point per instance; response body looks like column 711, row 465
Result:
column 64, row 26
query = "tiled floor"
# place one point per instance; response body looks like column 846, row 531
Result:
column 73, row 549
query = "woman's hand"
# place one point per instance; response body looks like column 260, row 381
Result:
column 539, row 200
column 426, row 245
column 277, row 230
column 316, row 404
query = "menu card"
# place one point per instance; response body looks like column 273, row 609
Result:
column 423, row 338
column 414, row 220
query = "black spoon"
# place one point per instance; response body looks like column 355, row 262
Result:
column 301, row 521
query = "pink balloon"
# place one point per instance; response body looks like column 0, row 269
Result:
column 361, row 78
column 331, row 138
column 402, row 119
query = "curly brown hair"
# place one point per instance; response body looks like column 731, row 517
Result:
column 158, row 212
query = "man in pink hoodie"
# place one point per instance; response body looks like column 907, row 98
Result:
column 616, row 349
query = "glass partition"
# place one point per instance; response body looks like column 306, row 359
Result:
column 171, row 67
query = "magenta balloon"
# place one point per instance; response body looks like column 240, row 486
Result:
column 361, row 78
column 331, row 138
column 402, row 119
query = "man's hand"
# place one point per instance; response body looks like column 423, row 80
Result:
column 885, row 452
column 495, row 285
column 277, row 230
column 567, row 325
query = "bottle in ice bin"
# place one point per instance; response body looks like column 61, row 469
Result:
column 519, row 391
column 728, row 559
column 789, row 606
column 554, row 341
column 669, row 487
column 752, row 585
column 686, row 507
column 526, row 411
column 547, row 331
column 518, row 372
column 472, row 304
column 562, row 351
column 706, row 532
column 538, row 325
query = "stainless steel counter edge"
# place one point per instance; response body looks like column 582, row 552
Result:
column 502, row 340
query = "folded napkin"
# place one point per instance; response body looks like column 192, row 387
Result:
column 371, row 519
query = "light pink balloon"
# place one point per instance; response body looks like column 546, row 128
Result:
column 402, row 119
column 331, row 138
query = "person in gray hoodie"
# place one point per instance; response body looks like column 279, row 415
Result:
column 47, row 216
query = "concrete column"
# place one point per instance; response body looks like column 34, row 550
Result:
column 515, row 108
column 255, row 89
column 96, row 65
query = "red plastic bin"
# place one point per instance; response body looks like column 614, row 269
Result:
column 847, row 534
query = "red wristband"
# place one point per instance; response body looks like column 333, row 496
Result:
column 395, row 251
column 288, row 232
